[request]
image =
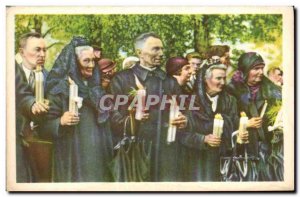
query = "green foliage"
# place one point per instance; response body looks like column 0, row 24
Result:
column 272, row 112
column 115, row 33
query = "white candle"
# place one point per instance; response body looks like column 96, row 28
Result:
column 218, row 125
column 141, row 102
column 141, row 99
column 262, row 113
column 174, row 113
column 75, row 102
column 243, row 127
column 39, row 85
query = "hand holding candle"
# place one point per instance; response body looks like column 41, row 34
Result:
column 180, row 121
column 69, row 119
column 212, row 140
column 39, row 108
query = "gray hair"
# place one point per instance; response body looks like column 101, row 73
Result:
column 141, row 39
column 79, row 49
column 208, row 72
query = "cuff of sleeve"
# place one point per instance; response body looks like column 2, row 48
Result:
column 203, row 145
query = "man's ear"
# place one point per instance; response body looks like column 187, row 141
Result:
column 21, row 51
column 138, row 52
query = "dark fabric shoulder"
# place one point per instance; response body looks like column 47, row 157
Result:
column 270, row 90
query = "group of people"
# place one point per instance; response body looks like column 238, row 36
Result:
column 82, row 144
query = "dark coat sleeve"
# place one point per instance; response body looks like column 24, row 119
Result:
column 51, row 125
column 24, row 96
column 192, row 138
column 118, row 116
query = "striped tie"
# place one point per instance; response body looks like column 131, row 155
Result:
column 31, row 80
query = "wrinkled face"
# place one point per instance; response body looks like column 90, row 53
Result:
column 152, row 52
column 86, row 63
column 216, row 82
column 225, row 59
column 195, row 64
column 185, row 74
column 34, row 52
column 255, row 75
column 277, row 77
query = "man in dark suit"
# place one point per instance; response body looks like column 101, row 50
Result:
column 32, row 48
column 153, row 126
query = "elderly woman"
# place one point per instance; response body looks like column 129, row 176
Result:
column 82, row 143
column 205, row 148
column 251, row 89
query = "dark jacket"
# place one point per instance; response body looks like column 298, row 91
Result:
column 203, row 160
column 82, row 152
column 164, row 158
column 267, row 91
column 24, row 100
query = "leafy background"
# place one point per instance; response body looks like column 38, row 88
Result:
column 180, row 33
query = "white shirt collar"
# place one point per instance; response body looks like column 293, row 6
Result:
column 27, row 72
column 85, row 82
column 147, row 68
column 214, row 101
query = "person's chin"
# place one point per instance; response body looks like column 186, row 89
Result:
column 220, row 90
column 87, row 76
column 157, row 63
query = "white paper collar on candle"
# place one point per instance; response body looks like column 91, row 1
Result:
column 214, row 101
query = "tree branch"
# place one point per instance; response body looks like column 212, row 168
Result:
column 48, row 31
column 54, row 44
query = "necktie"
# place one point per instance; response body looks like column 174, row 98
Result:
column 31, row 80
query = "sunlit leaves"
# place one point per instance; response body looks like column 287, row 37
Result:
column 180, row 33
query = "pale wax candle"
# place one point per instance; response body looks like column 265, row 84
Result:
column 262, row 113
column 39, row 85
column 218, row 125
column 174, row 113
column 243, row 127
column 141, row 99
column 141, row 102
column 75, row 102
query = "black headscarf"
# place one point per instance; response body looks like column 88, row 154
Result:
column 206, row 115
column 65, row 66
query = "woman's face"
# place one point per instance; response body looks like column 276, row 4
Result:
column 225, row 59
column 186, row 72
column 86, row 62
column 255, row 75
column 216, row 82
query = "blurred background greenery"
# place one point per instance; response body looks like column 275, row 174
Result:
column 180, row 33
